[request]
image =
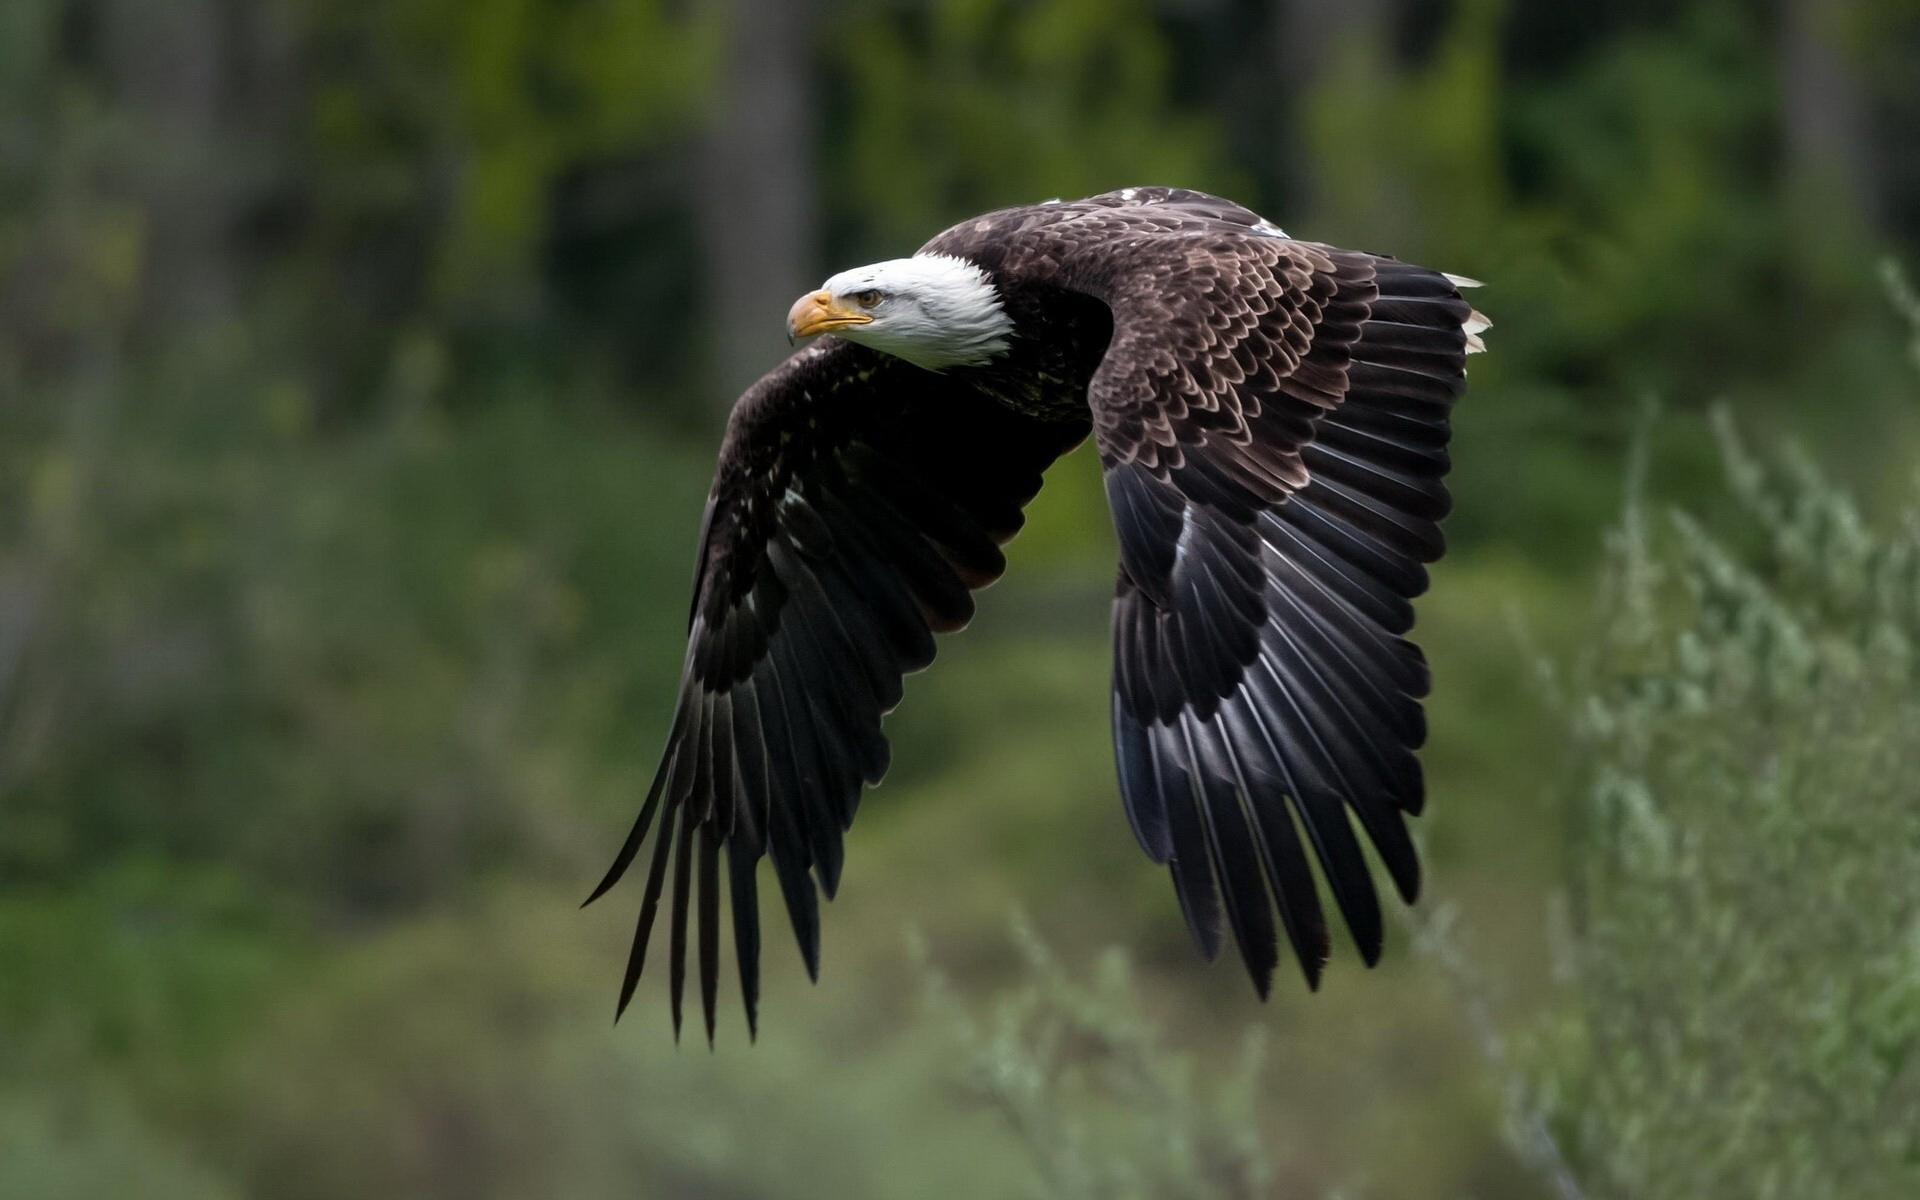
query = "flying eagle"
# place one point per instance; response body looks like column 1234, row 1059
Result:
column 1271, row 416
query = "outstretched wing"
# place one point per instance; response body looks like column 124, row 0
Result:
column 858, row 501
column 1272, row 417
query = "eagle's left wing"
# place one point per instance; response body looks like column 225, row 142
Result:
column 858, row 501
column 1272, row 416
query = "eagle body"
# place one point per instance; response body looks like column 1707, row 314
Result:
column 1271, row 417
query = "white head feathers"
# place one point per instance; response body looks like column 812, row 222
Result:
column 933, row 310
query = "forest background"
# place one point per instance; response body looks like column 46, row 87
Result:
column 361, row 368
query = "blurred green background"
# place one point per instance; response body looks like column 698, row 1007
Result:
column 361, row 368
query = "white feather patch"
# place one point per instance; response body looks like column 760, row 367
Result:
column 1476, row 322
column 1475, row 325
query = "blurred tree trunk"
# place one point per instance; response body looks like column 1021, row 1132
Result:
column 757, row 203
column 169, row 64
column 1831, row 175
column 1313, row 39
column 1307, row 33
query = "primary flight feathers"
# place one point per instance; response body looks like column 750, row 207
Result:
column 1272, row 419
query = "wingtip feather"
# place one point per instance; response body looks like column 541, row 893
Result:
column 1476, row 324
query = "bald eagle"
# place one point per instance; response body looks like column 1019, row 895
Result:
column 1271, row 416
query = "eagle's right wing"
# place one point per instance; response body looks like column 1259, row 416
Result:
column 1272, row 416
column 857, row 502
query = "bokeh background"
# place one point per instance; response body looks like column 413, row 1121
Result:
column 361, row 368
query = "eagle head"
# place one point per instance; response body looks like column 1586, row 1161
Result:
column 933, row 310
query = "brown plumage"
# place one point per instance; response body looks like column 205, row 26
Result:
column 1272, row 417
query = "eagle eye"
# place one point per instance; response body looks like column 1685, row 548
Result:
column 867, row 298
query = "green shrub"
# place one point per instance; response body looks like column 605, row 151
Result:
column 1102, row 1108
column 1744, row 934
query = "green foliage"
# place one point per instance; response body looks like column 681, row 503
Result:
column 94, row 1145
column 468, row 114
column 337, row 627
column 1624, row 199
column 1905, row 302
column 1648, row 157
column 70, row 255
column 1411, row 158
column 247, row 663
column 1744, row 1014
column 962, row 106
column 1082, row 1079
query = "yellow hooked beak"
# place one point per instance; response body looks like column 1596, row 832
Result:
column 817, row 312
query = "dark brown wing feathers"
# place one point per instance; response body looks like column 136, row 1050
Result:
column 858, row 500
column 1276, row 484
column 1272, row 417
